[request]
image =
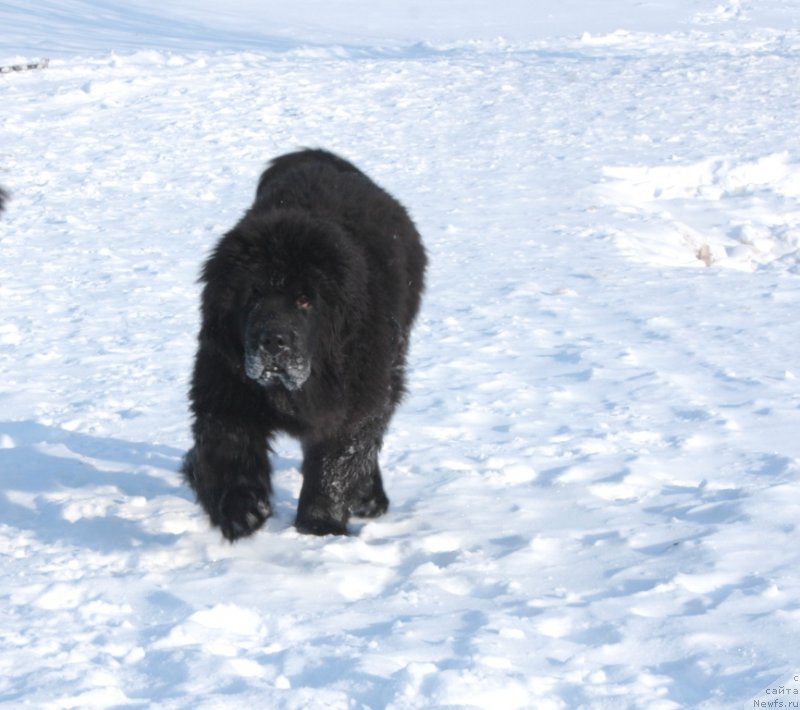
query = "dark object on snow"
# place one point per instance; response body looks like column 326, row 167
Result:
column 3, row 198
column 306, row 311
column 41, row 64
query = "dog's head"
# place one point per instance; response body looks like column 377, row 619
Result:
column 280, row 332
column 282, row 293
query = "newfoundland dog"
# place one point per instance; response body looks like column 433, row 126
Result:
column 306, row 311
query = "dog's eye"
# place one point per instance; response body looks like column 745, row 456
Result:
column 303, row 302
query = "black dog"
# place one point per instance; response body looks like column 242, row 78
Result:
column 306, row 312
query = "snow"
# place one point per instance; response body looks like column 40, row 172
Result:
column 594, row 478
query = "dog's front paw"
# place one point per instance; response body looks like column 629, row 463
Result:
column 370, row 507
column 319, row 519
column 241, row 511
column 320, row 527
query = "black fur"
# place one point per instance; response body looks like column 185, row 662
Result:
column 306, row 311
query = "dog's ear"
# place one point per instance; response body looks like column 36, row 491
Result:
column 221, row 301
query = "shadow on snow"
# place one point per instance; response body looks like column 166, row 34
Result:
column 46, row 470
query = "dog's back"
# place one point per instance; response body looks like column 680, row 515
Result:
column 285, row 163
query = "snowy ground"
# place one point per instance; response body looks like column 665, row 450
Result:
column 594, row 480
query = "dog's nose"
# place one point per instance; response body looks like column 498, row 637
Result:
column 276, row 341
